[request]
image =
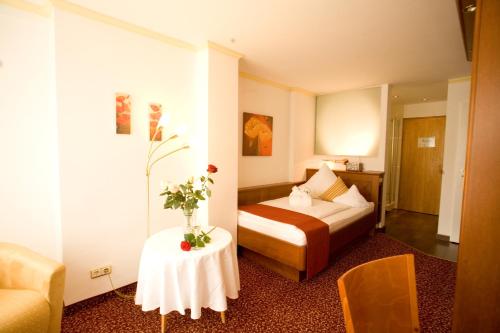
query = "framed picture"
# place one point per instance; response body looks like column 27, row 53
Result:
column 257, row 135
column 154, row 116
column 122, row 103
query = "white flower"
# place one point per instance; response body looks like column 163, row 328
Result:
column 174, row 188
column 165, row 185
column 197, row 183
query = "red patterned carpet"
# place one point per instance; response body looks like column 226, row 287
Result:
column 270, row 303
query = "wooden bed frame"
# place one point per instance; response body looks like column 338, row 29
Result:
column 288, row 259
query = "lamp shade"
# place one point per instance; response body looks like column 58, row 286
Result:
column 180, row 130
column 164, row 120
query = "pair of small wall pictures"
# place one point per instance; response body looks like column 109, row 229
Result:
column 123, row 104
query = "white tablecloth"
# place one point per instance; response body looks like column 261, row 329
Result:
column 172, row 279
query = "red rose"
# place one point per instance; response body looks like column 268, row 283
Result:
column 212, row 168
column 185, row 246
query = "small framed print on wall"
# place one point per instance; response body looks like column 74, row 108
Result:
column 123, row 110
column 155, row 111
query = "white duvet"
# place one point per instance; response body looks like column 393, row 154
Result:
column 334, row 214
column 319, row 208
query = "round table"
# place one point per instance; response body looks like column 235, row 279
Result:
column 172, row 279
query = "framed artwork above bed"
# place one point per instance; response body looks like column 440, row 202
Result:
column 257, row 135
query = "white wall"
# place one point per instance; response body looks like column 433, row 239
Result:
column 427, row 109
column 454, row 159
column 293, row 134
column 260, row 98
column 293, row 115
column 347, row 123
column 103, row 183
column 301, row 141
column 29, row 191
column 76, row 191
column 222, row 131
column 376, row 162
column 299, row 112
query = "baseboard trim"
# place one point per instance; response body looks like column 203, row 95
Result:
column 443, row 237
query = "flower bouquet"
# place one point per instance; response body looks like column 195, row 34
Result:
column 186, row 197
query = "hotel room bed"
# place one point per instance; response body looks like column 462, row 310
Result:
column 282, row 247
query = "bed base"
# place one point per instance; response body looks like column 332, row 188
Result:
column 273, row 265
column 289, row 260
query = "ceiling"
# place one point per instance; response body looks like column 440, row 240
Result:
column 419, row 92
column 318, row 45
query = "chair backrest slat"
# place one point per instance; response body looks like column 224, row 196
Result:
column 380, row 296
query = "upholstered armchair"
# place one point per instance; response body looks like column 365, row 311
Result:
column 31, row 291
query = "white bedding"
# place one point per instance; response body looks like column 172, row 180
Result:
column 334, row 214
column 319, row 208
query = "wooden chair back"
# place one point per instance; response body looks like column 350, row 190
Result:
column 380, row 296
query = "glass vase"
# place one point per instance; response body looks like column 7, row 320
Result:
column 188, row 216
column 191, row 227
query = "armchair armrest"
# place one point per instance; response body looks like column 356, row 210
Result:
column 21, row 268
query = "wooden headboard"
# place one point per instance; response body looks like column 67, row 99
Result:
column 255, row 194
column 369, row 184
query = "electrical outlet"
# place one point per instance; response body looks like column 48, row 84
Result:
column 97, row 272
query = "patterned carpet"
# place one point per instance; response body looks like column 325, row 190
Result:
column 270, row 303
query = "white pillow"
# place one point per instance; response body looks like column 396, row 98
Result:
column 352, row 198
column 320, row 181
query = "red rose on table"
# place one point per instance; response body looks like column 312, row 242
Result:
column 185, row 246
column 212, row 168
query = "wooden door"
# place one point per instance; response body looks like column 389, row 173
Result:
column 421, row 164
column 477, row 296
